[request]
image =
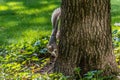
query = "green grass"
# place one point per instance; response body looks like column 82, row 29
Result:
column 25, row 20
column 115, row 11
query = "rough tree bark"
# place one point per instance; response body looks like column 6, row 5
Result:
column 86, row 38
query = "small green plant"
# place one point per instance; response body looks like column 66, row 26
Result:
column 91, row 75
column 22, row 60
column 94, row 75
column 116, row 44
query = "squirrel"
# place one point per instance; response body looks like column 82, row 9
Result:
column 52, row 44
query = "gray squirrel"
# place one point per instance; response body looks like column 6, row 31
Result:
column 52, row 44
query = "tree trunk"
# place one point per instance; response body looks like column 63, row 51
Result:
column 86, row 38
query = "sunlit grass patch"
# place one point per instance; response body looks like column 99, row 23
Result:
column 29, row 11
column 12, row 6
column 30, row 35
column 49, row 7
column 116, row 27
column 11, row 24
column 15, row 5
column 3, row 7
column 41, row 20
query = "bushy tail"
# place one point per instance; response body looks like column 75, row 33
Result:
column 55, row 17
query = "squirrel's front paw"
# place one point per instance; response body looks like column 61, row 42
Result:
column 52, row 49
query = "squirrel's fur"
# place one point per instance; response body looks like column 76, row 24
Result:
column 52, row 45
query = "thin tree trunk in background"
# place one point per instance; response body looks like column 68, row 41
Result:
column 86, row 38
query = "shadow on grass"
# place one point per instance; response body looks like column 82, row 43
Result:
column 21, row 16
